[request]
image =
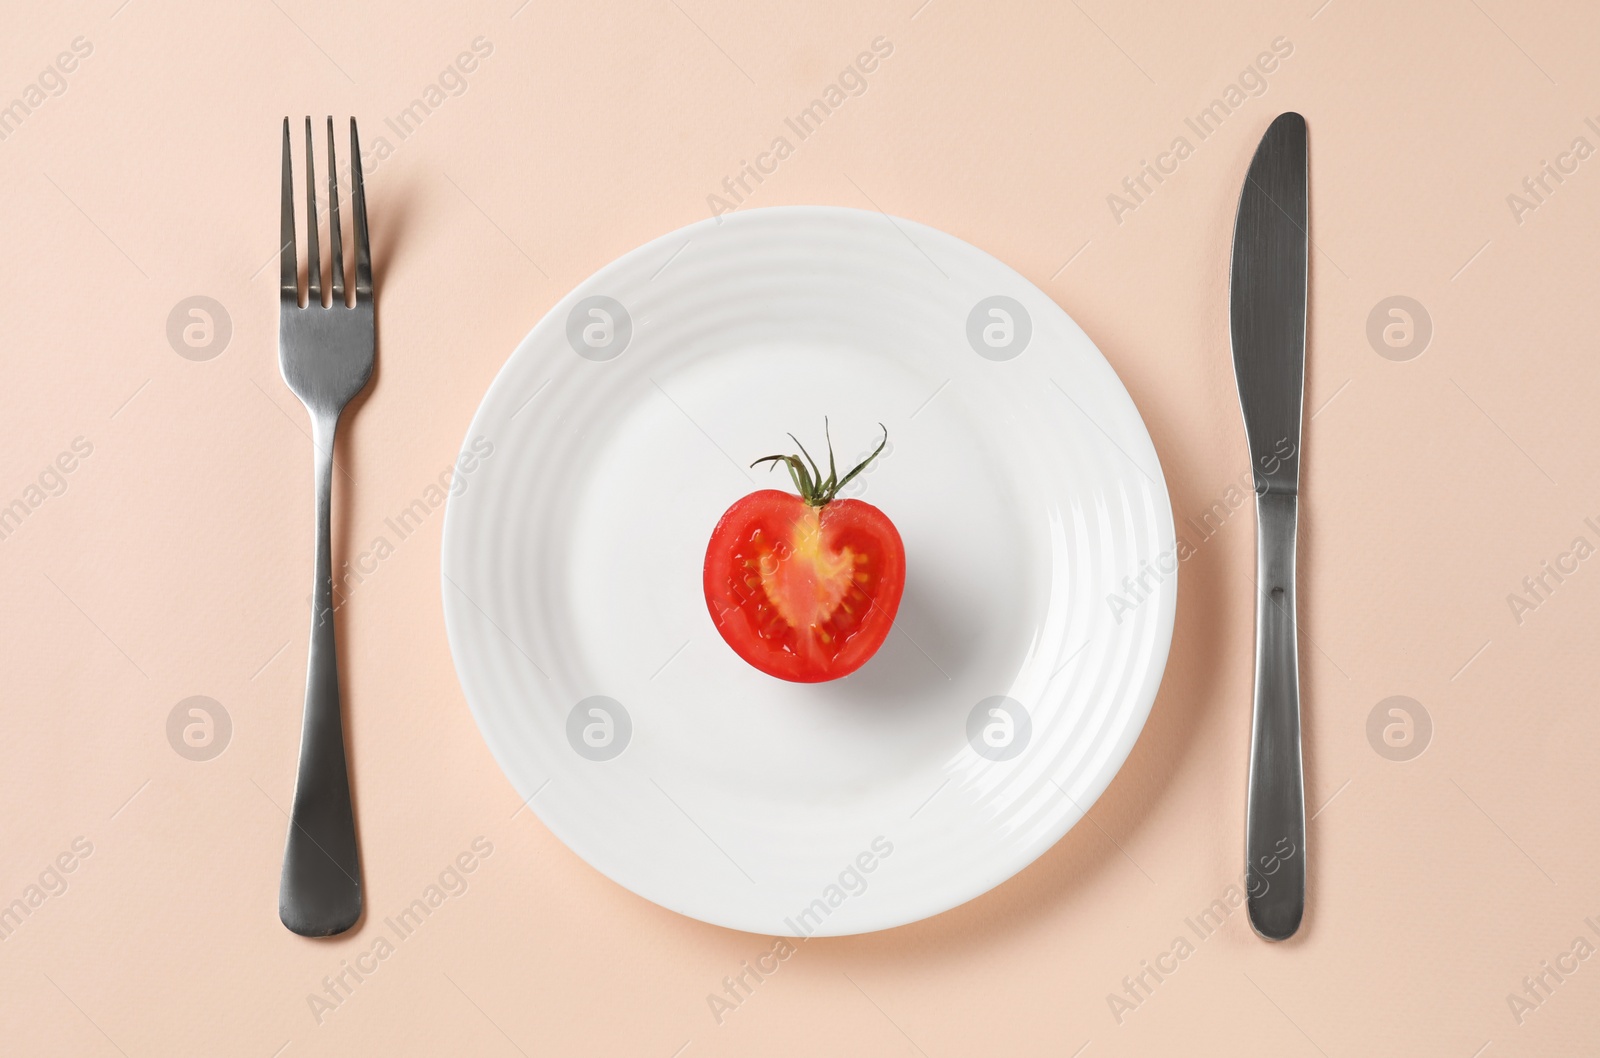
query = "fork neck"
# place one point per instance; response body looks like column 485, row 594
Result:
column 323, row 430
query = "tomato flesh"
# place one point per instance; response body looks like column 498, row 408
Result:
column 804, row 593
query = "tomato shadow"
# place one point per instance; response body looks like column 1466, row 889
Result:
column 924, row 654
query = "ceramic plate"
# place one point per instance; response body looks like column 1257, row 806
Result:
column 1040, row 589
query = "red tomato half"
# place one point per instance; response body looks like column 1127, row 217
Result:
column 804, row 593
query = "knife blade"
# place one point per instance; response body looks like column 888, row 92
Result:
column 1267, row 292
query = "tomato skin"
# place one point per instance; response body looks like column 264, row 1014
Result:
column 804, row 593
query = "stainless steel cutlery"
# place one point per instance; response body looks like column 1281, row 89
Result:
column 1268, row 294
column 326, row 354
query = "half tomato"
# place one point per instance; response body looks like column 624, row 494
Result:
column 805, row 587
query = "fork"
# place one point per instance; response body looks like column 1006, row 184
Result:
column 325, row 353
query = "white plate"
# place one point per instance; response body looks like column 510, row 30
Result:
column 1021, row 479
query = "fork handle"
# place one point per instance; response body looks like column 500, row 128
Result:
column 320, row 893
column 1275, row 831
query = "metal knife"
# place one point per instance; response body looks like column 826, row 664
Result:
column 1268, row 316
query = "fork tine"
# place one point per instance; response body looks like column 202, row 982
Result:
column 313, row 251
column 358, row 206
column 335, row 238
column 288, row 273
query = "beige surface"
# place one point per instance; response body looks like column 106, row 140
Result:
column 173, row 561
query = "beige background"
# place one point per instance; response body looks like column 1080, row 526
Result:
column 176, row 561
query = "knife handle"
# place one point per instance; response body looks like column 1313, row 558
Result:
column 1275, row 837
